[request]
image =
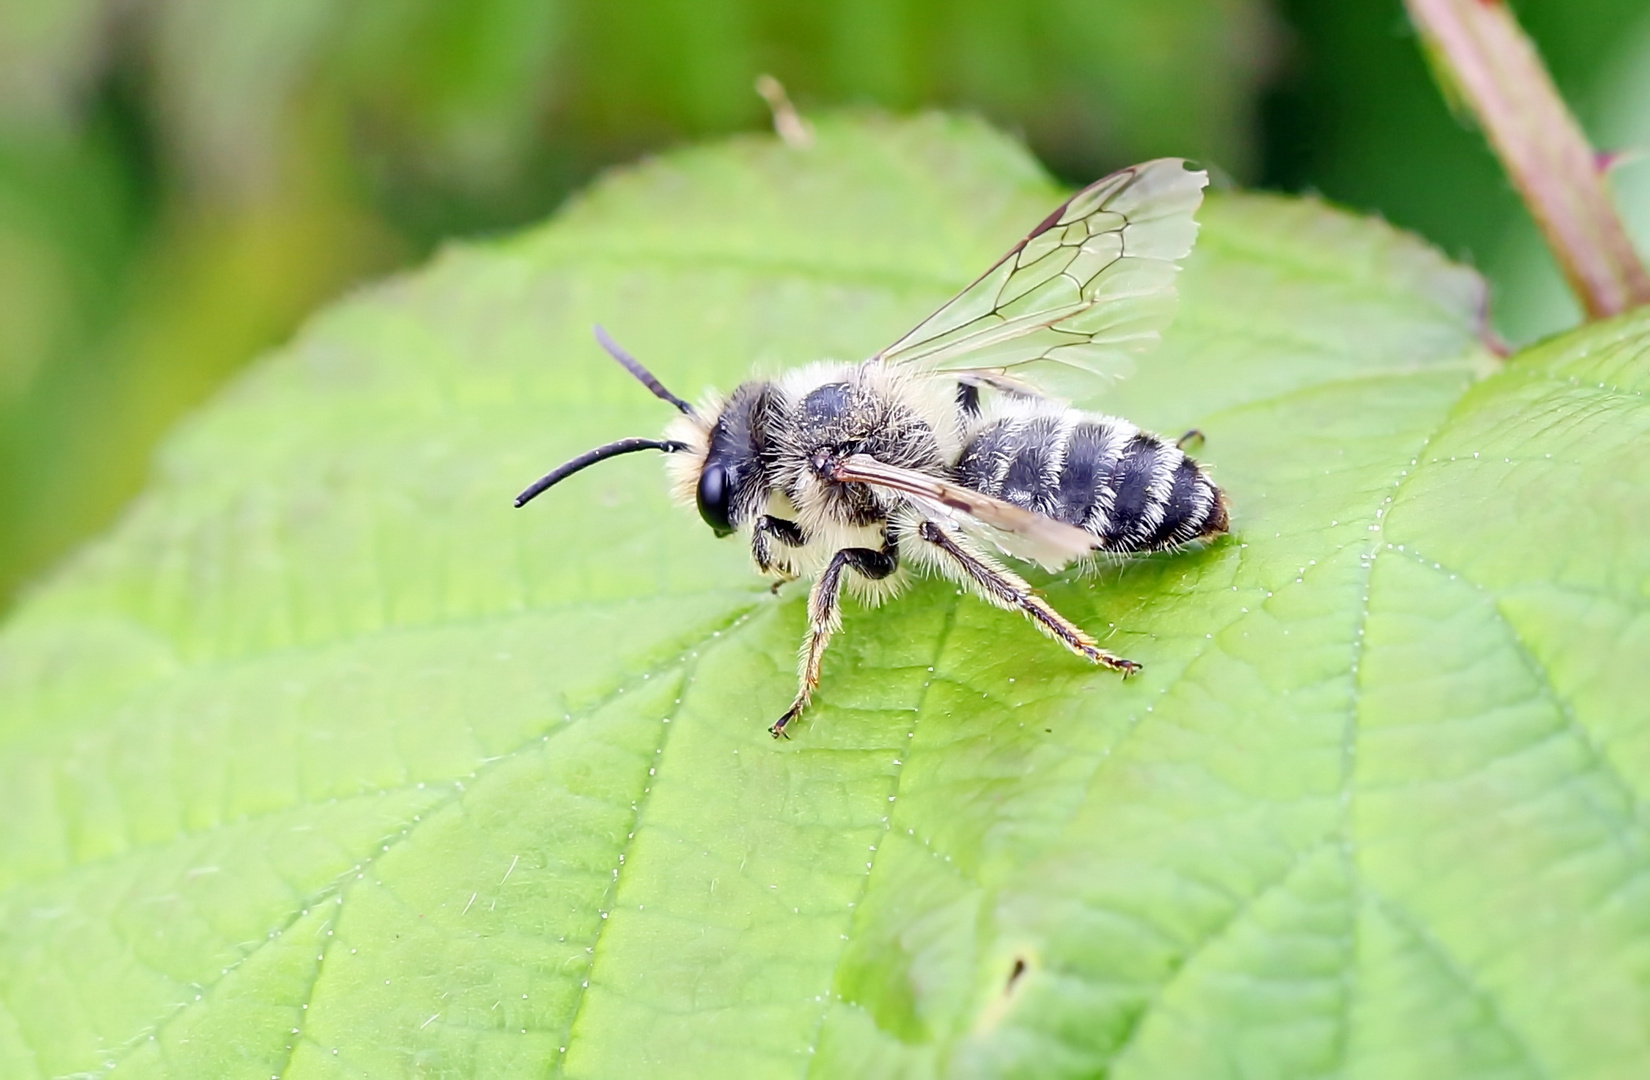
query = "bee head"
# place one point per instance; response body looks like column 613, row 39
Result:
column 723, row 471
column 620, row 446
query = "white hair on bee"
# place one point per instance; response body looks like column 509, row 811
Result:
column 692, row 430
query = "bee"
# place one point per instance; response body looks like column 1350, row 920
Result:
column 956, row 443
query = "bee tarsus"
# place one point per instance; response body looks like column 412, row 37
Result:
column 1006, row 589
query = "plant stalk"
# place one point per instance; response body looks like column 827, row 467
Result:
column 1483, row 55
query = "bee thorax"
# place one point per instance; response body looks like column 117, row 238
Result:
column 856, row 411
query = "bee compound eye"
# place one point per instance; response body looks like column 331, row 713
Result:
column 715, row 493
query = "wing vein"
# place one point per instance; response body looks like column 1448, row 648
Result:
column 1135, row 225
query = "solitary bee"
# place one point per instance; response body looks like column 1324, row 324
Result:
column 950, row 442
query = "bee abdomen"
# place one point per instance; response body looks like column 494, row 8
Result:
column 1131, row 488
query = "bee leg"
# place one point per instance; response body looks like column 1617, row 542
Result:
column 765, row 531
column 825, row 617
column 1000, row 586
column 1193, row 438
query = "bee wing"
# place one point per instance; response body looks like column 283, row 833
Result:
column 1071, row 303
column 1023, row 533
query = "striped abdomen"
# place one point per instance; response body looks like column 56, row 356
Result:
column 1129, row 487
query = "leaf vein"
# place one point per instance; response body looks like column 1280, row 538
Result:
column 865, row 883
column 637, row 822
column 1406, row 921
column 1242, row 906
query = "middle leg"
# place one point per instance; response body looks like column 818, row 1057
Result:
column 825, row 616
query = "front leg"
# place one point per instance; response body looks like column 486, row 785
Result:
column 1006, row 589
column 825, row 617
column 765, row 533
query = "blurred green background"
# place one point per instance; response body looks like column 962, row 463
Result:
column 181, row 181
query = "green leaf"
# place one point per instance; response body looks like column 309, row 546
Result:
column 328, row 762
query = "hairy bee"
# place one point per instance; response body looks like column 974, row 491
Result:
column 950, row 442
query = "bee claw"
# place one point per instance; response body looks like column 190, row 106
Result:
column 1116, row 663
column 778, row 728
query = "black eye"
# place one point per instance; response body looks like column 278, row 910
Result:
column 715, row 491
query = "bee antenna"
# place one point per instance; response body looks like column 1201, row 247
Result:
column 644, row 376
column 590, row 457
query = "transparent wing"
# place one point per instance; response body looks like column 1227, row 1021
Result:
column 1022, row 533
column 1070, row 305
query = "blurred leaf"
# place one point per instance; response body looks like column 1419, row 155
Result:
column 1091, row 84
column 228, row 88
column 49, row 54
column 72, row 215
column 136, row 333
column 458, row 88
column 462, row 96
column 326, row 761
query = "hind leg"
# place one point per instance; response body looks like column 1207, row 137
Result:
column 998, row 585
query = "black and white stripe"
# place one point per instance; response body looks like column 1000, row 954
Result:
column 1131, row 488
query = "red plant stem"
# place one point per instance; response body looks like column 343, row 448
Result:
column 1497, row 71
